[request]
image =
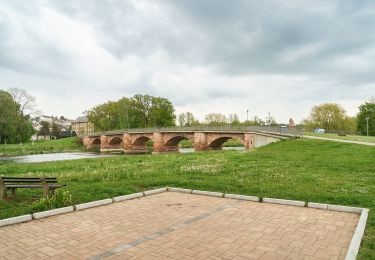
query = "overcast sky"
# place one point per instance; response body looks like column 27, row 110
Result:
column 281, row 57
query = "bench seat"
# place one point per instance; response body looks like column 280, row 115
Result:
column 48, row 184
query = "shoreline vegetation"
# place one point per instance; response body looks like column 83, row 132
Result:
column 300, row 169
column 70, row 144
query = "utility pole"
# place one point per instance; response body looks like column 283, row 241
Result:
column 367, row 118
column 247, row 115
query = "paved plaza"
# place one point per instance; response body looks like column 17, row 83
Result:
column 174, row 225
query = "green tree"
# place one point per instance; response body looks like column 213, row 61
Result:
column 187, row 119
column 55, row 129
column 8, row 118
column 137, row 111
column 44, row 129
column 216, row 119
column 234, row 120
column 366, row 110
column 329, row 116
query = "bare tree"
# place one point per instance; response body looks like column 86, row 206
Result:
column 25, row 101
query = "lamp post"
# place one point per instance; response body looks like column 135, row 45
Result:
column 247, row 115
column 367, row 118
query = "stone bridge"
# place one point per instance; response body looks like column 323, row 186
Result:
column 167, row 139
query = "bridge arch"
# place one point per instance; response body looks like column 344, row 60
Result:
column 139, row 143
column 173, row 141
column 96, row 142
column 217, row 143
column 116, row 142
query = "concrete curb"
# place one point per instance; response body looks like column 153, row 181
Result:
column 284, row 202
column 127, row 197
column 344, row 208
column 156, row 191
column 208, row 193
column 52, row 212
column 15, row 220
column 241, row 197
column 93, row 204
column 317, row 205
column 357, row 236
column 180, row 190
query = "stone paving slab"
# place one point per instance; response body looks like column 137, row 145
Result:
column 174, row 225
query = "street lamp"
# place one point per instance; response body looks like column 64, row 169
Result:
column 247, row 115
column 367, row 118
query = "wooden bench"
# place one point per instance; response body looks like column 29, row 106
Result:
column 48, row 184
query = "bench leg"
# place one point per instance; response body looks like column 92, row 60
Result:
column 14, row 190
column 52, row 192
column 3, row 193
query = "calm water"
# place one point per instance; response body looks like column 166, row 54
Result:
column 52, row 157
column 73, row 156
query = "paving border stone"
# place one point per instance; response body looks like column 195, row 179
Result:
column 284, row 202
column 357, row 236
column 208, row 193
column 93, row 204
column 15, row 220
column 155, row 191
column 315, row 205
column 127, row 197
column 180, row 190
column 344, row 208
column 52, row 212
column 241, row 197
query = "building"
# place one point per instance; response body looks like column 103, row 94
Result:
column 82, row 126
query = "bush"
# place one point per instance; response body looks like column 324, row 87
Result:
column 58, row 200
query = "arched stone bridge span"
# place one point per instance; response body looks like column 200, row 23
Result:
column 167, row 139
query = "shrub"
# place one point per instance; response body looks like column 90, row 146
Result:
column 58, row 200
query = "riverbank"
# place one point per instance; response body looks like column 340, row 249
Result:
column 309, row 170
column 71, row 144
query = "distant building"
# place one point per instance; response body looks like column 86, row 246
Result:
column 291, row 123
column 82, row 126
column 62, row 122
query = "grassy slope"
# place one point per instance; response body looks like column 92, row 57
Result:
column 370, row 139
column 47, row 146
column 309, row 170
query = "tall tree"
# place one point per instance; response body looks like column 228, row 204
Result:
column 216, row 119
column 8, row 118
column 55, row 129
column 234, row 120
column 366, row 114
column 25, row 101
column 44, row 129
column 134, row 112
column 329, row 116
column 187, row 119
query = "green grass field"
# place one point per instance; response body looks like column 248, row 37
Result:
column 361, row 138
column 48, row 146
column 301, row 169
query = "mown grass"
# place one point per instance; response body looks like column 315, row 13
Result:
column 361, row 138
column 71, row 144
column 301, row 169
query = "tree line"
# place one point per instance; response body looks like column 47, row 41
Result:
column 333, row 118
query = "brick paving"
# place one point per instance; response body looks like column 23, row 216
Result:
column 183, row 226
